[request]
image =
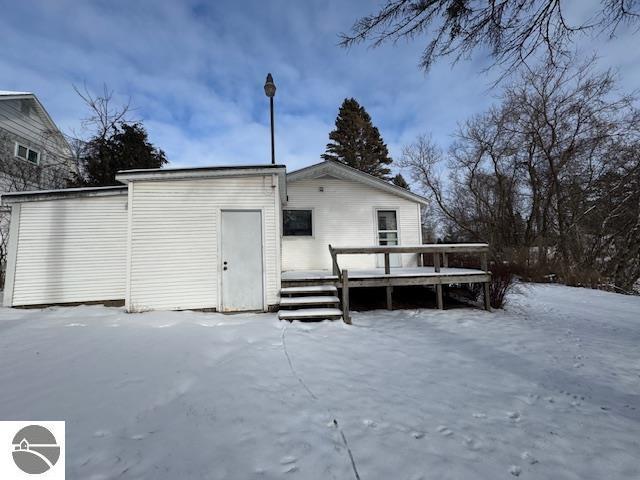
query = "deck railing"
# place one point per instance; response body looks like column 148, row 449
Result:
column 440, row 252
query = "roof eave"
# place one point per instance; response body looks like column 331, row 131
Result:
column 156, row 175
column 40, row 195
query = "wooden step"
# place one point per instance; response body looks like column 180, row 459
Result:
column 310, row 314
column 310, row 290
column 315, row 300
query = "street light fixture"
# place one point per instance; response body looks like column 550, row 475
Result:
column 270, row 91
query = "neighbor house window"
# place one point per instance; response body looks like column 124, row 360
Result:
column 27, row 153
column 297, row 223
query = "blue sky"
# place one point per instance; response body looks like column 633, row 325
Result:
column 194, row 72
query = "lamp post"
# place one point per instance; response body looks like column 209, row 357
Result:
column 270, row 91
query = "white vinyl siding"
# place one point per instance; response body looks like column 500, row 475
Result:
column 174, row 257
column 30, row 127
column 71, row 250
column 345, row 214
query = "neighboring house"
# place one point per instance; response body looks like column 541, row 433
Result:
column 33, row 152
column 200, row 238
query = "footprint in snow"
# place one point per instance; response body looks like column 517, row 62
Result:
column 472, row 444
column 527, row 457
column 289, row 464
column 369, row 423
column 515, row 416
column 444, row 431
column 515, row 470
column 479, row 415
column 417, row 435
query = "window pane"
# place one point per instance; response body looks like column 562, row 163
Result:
column 387, row 220
column 22, row 151
column 33, row 156
column 297, row 223
column 388, row 238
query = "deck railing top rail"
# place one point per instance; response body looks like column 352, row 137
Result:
column 425, row 248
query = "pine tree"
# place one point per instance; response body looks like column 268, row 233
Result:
column 399, row 181
column 357, row 142
column 125, row 147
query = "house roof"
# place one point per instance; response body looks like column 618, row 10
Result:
column 342, row 171
column 10, row 95
column 156, row 174
column 20, row 197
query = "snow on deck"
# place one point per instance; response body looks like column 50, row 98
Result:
column 549, row 388
column 377, row 272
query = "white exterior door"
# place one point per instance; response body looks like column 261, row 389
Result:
column 242, row 278
column 387, row 223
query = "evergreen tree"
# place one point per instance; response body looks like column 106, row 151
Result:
column 125, row 147
column 399, row 181
column 357, row 143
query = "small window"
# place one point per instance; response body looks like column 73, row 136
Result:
column 27, row 154
column 297, row 223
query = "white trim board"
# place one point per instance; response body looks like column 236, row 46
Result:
column 12, row 256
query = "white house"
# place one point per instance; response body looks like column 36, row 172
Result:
column 33, row 152
column 331, row 203
column 215, row 238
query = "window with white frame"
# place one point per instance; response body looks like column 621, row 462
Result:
column 387, row 227
column 26, row 153
column 297, row 223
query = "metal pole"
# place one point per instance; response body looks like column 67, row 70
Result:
column 273, row 148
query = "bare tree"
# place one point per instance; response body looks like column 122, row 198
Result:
column 104, row 115
column 549, row 176
column 512, row 30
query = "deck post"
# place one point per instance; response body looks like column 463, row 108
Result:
column 387, row 271
column 345, row 297
column 487, row 298
column 439, row 299
column 483, row 262
column 484, row 265
column 334, row 261
column 436, row 267
column 445, row 260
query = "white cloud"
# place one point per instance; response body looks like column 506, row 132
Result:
column 195, row 73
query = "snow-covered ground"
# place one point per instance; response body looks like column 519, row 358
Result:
column 550, row 388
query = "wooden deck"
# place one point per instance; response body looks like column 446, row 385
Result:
column 439, row 274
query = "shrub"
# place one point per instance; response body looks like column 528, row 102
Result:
column 503, row 278
column 502, row 282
